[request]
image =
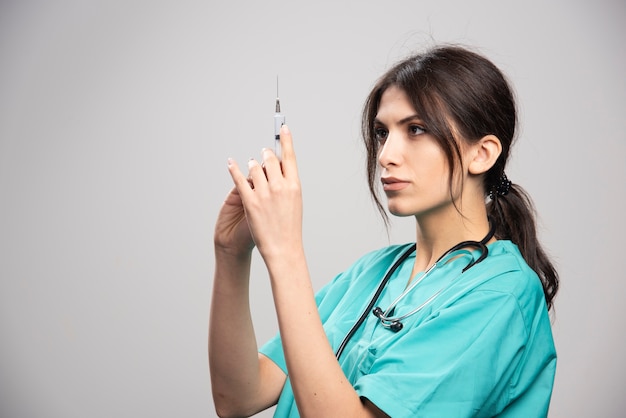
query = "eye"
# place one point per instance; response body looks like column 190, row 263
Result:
column 416, row 129
column 380, row 134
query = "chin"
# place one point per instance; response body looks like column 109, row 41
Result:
column 399, row 212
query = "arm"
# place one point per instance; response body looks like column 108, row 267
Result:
column 273, row 203
column 319, row 385
column 243, row 382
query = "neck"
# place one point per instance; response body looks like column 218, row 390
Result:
column 436, row 233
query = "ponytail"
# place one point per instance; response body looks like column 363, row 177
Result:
column 514, row 216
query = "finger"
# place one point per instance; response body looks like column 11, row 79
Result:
column 288, row 155
column 256, row 174
column 271, row 164
column 242, row 184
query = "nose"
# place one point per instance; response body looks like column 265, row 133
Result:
column 390, row 153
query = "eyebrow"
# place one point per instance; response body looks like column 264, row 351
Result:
column 402, row 121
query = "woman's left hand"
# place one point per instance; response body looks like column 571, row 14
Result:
column 272, row 199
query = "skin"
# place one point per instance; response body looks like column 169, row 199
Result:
column 265, row 209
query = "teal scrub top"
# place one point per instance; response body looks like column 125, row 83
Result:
column 482, row 348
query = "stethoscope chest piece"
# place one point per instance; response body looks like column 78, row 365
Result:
column 394, row 325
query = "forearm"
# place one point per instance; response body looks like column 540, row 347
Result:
column 233, row 356
column 318, row 382
column 271, row 196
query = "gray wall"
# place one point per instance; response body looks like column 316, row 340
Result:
column 116, row 120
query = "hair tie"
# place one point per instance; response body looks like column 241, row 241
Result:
column 501, row 187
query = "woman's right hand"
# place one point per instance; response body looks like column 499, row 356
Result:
column 232, row 234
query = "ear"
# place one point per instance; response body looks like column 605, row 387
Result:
column 485, row 154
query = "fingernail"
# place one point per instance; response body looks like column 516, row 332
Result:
column 284, row 129
column 230, row 161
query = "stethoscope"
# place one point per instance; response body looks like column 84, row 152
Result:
column 386, row 317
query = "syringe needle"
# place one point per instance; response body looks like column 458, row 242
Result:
column 277, row 97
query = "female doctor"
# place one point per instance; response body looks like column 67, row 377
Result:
column 453, row 325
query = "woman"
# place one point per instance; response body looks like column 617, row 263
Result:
column 454, row 325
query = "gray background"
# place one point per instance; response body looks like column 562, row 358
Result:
column 116, row 120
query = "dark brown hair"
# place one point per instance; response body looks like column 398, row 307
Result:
column 452, row 86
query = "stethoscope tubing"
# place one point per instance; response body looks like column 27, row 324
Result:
column 372, row 302
column 388, row 322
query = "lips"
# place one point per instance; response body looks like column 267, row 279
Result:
column 393, row 183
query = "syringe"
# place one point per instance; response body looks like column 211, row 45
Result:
column 279, row 120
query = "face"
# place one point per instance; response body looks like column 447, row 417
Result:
column 414, row 169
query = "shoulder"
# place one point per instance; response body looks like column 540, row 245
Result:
column 385, row 256
column 367, row 270
column 506, row 275
column 375, row 262
column 506, row 270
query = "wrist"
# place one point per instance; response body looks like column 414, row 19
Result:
column 232, row 273
column 281, row 251
column 231, row 251
column 232, row 255
column 287, row 263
